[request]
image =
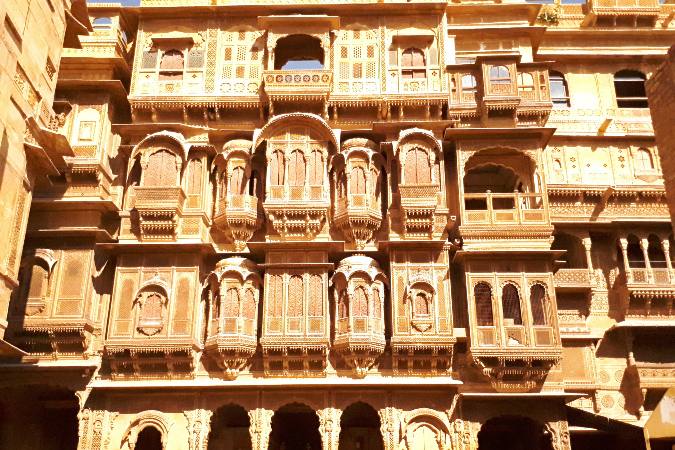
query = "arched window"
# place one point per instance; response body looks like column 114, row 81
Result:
column 629, row 86
column 194, row 185
column 360, row 303
column 525, row 82
column 296, row 294
column 417, row 167
column 538, row 303
column 343, row 306
column 316, row 169
column 277, row 168
column 636, row 258
column 499, row 75
column 298, row 52
column 231, row 304
column 150, row 438
column 296, row 169
column 161, row 170
column 413, row 63
column 171, row 65
column 482, row 293
column 102, row 22
column 237, row 181
column 559, row 94
column 421, row 304
column 151, row 314
column 643, row 160
column 657, row 258
column 511, row 305
column 357, row 181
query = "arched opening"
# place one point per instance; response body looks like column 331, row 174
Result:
column 230, row 429
column 559, row 93
column 102, row 22
column 149, row 438
column 511, row 305
column 629, row 86
column 539, row 305
column 657, row 257
column 525, row 82
column 575, row 253
column 513, row 433
column 494, row 178
column 499, row 75
column 360, row 428
column 636, row 258
column 298, row 52
column 482, row 293
column 171, row 65
column 417, row 168
column 643, row 160
column 295, row 427
column 469, row 87
column 162, row 170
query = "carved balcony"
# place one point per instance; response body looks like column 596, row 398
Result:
column 358, row 216
column 534, row 93
column 359, row 318
column 297, row 86
column 651, row 293
column 159, row 209
column 232, row 325
column 511, row 215
column 297, row 212
column 419, row 203
column 463, row 93
column 238, row 216
column 621, row 10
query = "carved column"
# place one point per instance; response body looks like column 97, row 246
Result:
column 199, row 426
column 644, row 245
column 260, row 428
column 94, row 429
column 665, row 245
column 389, row 427
column 624, row 252
column 560, row 435
column 587, row 248
column 329, row 427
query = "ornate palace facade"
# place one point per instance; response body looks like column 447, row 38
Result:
column 367, row 225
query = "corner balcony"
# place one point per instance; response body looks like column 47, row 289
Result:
column 232, row 347
column 159, row 209
column 518, row 215
column 419, row 204
column 237, row 215
column 358, row 216
column 360, row 341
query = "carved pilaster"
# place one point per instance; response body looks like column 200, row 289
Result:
column 199, row 426
column 94, row 429
column 329, row 427
column 260, row 428
column 389, row 427
column 560, row 435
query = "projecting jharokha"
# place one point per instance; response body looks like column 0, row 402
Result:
column 334, row 225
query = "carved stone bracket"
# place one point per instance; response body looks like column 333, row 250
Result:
column 260, row 428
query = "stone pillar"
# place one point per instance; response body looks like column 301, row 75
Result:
column 665, row 245
column 329, row 427
column 624, row 253
column 644, row 245
column 260, row 428
column 199, row 426
column 94, row 429
column 587, row 247
column 560, row 435
column 389, row 427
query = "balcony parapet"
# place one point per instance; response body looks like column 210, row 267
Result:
column 574, row 279
column 622, row 8
column 605, row 122
column 358, row 216
column 423, row 210
column 159, row 209
column 238, row 217
column 165, row 358
column 297, row 85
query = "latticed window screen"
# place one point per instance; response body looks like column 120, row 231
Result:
column 242, row 63
column 357, row 62
column 482, row 294
column 511, row 304
column 417, row 167
column 162, row 170
column 538, row 304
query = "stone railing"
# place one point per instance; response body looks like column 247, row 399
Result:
column 623, row 6
column 298, row 83
column 506, row 209
column 573, row 278
column 159, row 198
